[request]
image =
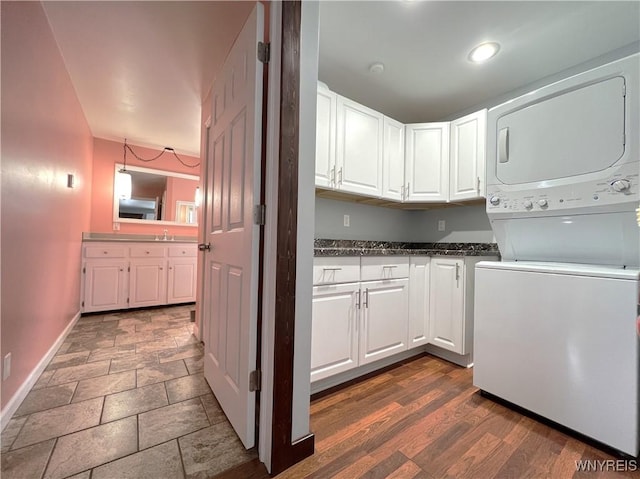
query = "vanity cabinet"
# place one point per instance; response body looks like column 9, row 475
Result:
column 105, row 284
column 134, row 275
column 467, row 158
column 182, row 274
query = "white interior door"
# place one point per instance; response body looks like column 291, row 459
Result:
column 231, row 273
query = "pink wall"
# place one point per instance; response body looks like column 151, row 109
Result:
column 179, row 189
column 44, row 137
column 106, row 154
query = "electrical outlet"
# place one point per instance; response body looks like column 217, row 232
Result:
column 116, row 226
column 441, row 225
column 6, row 367
column 346, row 220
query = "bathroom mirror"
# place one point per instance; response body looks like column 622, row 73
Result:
column 158, row 197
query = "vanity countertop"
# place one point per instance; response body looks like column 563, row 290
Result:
column 133, row 238
column 326, row 247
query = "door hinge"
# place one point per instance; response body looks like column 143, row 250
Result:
column 84, row 270
column 128, row 269
column 83, row 304
column 127, row 300
column 264, row 51
column 259, row 214
column 255, row 380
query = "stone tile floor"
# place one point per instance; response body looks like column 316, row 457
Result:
column 124, row 397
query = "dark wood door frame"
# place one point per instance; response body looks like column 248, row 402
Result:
column 284, row 451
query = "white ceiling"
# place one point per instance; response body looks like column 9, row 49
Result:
column 141, row 69
column 424, row 46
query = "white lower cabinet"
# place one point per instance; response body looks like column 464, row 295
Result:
column 358, row 322
column 384, row 318
column 105, row 285
column 382, row 306
column 419, row 275
column 447, row 304
column 181, row 280
column 120, row 275
column 334, row 339
column 147, row 283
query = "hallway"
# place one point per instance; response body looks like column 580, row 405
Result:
column 125, row 396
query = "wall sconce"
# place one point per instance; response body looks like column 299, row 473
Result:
column 198, row 197
column 123, row 184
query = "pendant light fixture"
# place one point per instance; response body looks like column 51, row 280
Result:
column 123, row 179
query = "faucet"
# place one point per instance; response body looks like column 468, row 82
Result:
column 165, row 238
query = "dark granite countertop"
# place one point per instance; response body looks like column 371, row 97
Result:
column 327, row 247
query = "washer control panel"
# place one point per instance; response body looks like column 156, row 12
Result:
column 619, row 188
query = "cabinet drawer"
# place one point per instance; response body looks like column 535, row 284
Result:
column 183, row 251
column 336, row 270
column 144, row 251
column 384, row 267
column 105, row 251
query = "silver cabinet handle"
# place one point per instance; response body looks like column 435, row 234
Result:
column 457, row 273
column 332, row 176
column 332, row 269
column 478, row 185
column 365, row 303
column 390, row 266
column 340, row 176
column 358, row 299
column 402, row 189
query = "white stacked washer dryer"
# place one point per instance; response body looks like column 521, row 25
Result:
column 555, row 321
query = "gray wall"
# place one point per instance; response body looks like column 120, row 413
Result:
column 463, row 224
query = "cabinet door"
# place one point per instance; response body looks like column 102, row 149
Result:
column 419, row 274
column 467, row 161
column 359, row 148
column 334, row 340
column 181, row 280
column 446, row 328
column 393, row 160
column 105, row 285
column 147, row 283
column 427, row 162
column 325, row 138
column 384, row 319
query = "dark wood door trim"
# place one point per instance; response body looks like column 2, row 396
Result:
column 285, row 452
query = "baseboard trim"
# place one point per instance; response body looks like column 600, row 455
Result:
column 14, row 403
column 466, row 360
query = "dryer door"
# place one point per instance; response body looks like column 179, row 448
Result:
column 573, row 132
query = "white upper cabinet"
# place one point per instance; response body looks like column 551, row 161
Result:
column 325, row 138
column 467, row 161
column 393, row 186
column 427, row 162
column 359, row 148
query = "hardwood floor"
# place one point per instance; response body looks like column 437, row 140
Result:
column 425, row 420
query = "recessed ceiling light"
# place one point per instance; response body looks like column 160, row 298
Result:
column 483, row 52
column 376, row 68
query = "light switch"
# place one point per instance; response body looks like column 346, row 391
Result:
column 346, row 220
column 441, row 225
